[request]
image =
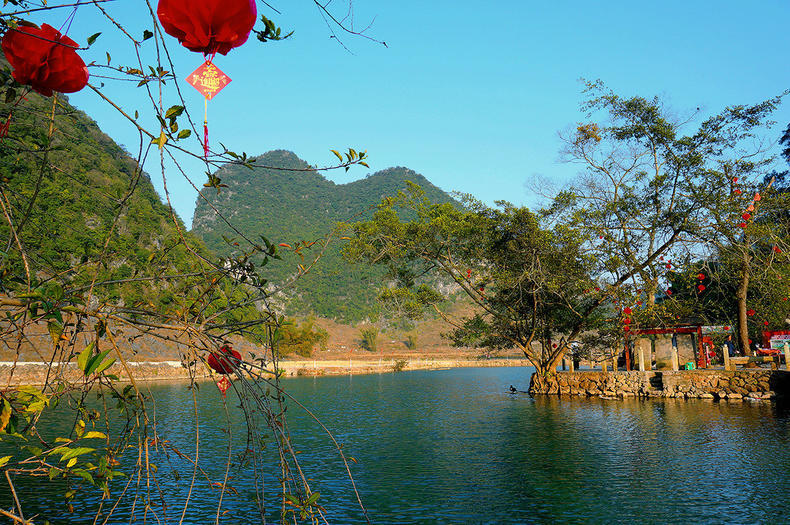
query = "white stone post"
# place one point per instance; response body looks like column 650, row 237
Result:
column 675, row 364
column 726, row 354
column 640, row 352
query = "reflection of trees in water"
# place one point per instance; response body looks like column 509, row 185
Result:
column 636, row 459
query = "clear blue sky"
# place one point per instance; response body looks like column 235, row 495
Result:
column 470, row 94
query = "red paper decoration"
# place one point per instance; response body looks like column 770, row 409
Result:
column 737, row 192
column 226, row 361
column 627, row 310
column 777, row 249
column 701, row 287
column 701, row 276
column 757, row 197
column 627, row 320
column 208, row 79
column 750, row 207
column 746, row 216
column 742, row 224
column 750, row 312
column 735, row 179
column 726, row 327
column 765, row 323
column 669, row 292
column 208, row 26
column 223, row 385
column 45, row 59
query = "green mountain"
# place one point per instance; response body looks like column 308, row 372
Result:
column 294, row 203
column 84, row 208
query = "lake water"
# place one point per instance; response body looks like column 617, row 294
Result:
column 453, row 446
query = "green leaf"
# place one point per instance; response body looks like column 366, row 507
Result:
column 160, row 140
column 174, row 111
column 74, row 452
column 55, row 331
column 337, row 154
column 71, row 463
column 94, row 434
column 312, row 499
column 5, row 415
column 94, row 363
column 105, row 365
column 92, row 38
column 184, row 133
column 4, row 460
column 82, row 360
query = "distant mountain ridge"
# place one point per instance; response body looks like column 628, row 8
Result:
column 290, row 205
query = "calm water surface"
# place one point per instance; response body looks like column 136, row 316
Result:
column 454, row 447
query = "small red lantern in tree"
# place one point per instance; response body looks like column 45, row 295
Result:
column 627, row 320
column 757, row 197
column 669, row 292
column 45, row 59
column 746, row 216
column 750, row 312
column 701, row 276
column 701, row 287
column 226, row 361
column 737, row 192
column 765, row 323
column 627, row 310
column 750, row 207
column 735, row 180
column 777, row 249
column 742, row 225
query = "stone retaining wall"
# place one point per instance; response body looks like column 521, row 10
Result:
column 712, row 384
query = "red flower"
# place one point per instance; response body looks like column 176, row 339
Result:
column 225, row 361
column 784, row 298
column 746, row 216
column 208, row 26
column 750, row 312
column 701, row 287
column 45, row 59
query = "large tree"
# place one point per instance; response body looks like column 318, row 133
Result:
column 525, row 276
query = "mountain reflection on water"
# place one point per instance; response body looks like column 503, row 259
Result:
column 453, row 446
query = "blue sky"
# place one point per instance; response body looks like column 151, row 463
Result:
column 470, row 94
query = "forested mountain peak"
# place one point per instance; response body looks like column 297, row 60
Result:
column 285, row 200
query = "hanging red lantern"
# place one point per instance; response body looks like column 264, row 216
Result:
column 750, row 207
column 627, row 320
column 45, row 59
column 742, row 224
column 726, row 327
column 777, row 249
column 669, row 292
column 737, row 192
column 735, row 179
column 701, row 276
column 765, row 323
column 627, row 310
column 746, row 216
column 208, row 26
column 225, row 361
column 757, row 197
column 750, row 312
column 701, row 287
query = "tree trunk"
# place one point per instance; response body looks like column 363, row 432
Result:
column 740, row 295
column 544, row 380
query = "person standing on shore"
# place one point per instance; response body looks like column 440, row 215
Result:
column 731, row 350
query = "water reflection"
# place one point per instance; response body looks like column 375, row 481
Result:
column 453, row 447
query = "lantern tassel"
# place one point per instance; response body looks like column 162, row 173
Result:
column 4, row 127
column 205, row 129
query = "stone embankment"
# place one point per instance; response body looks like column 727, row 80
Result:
column 750, row 384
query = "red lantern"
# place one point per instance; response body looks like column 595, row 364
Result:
column 750, row 207
column 757, row 197
column 777, row 249
column 750, row 312
column 701, row 276
column 746, row 216
column 627, row 320
column 737, row 192
column 45, row 59
column 735, row 179
column 742, row 225
column 226, row 361
column 765, row 323
column 208, row 26
column 669, row 292
column 701, row 287
column 627, row 310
